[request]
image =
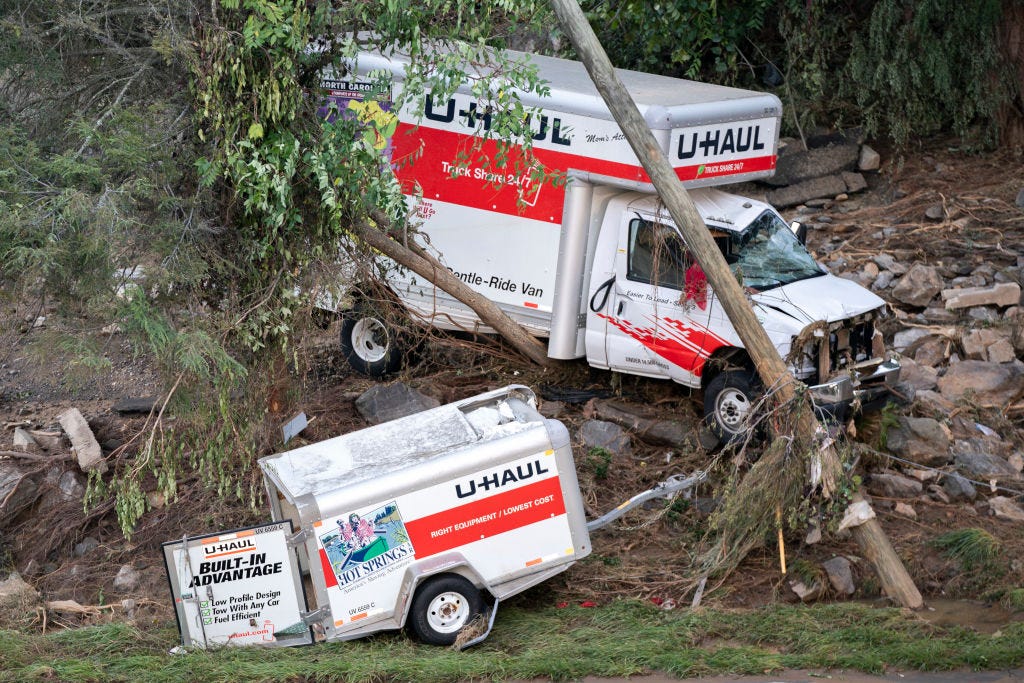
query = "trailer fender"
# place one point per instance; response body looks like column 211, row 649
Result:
column 418, row 572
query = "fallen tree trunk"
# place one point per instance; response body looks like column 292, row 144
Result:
column 773, row 371
column 425, row 265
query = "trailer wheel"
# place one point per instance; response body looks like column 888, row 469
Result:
column 728, row 403
column 367, row 343
column 442, row 606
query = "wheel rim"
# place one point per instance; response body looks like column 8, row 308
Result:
column 370, row 339
column 733, row 408
column 448, row 612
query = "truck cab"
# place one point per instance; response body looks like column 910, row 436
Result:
column 651, row 311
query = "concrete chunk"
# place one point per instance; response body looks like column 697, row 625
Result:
column 87, row 449
column 1002, row 294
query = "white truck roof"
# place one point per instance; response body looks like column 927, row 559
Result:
column 665, row 102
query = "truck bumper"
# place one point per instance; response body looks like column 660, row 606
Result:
column 867, row 382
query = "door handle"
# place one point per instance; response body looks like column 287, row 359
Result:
column 618, row 310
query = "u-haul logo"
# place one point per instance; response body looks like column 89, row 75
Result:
column 496, row 480
column 544, row 127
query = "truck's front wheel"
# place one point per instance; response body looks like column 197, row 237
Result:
column 728, row 404
column 367, row 343
column 442, row 607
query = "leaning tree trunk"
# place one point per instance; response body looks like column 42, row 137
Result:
column 770, row 366
column 425, row 265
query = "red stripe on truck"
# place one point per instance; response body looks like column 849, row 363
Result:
column 448, row 168
column 485, row 518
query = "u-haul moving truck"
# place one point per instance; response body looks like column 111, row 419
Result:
column 410, row 521
column 594, row 264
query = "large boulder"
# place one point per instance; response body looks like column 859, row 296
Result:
column 921, row 440
column 18, row 490
column 797, row 166
column 988, row 383
column 919, row 286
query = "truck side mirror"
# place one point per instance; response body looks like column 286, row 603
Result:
column 800, row 230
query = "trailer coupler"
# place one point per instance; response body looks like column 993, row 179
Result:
column 666, row 489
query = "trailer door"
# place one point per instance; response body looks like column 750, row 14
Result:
column 657, row 314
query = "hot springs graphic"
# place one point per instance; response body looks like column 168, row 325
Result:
column 362, row 545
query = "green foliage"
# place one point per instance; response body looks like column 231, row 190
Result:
column 693, row 38
column 973, row 548
column 924, row 66
column 601, row 459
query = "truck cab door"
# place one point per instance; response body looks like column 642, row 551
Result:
column 652, row 315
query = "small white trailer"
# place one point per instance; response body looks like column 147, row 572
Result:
column 417, row 522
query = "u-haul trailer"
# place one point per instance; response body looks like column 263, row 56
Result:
column 594, row 264
column 415, row 522
column 411, row 521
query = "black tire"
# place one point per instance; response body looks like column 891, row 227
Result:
column 729, row 400
column 443, row 605
column 369, row 345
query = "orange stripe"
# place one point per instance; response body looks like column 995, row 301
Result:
column 529, row 304
column 360, row 616
column 533, row 562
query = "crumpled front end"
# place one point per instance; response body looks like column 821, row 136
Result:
column 845, row 362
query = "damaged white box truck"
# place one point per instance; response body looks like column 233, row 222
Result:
column 595, row 264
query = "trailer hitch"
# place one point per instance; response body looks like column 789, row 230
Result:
column 666, row 489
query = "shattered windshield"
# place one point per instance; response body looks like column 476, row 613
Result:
column 767, row 254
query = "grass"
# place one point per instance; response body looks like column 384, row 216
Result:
column 620, row 639
column 971, row 547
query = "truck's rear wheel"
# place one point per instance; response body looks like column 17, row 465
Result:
column 728, row 404
column 442, row 607
column 368, row 344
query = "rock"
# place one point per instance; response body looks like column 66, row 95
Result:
column 87, row 449
column 869, row 159
column 985, row 314
column 655, row 431
column 931, row 352
column 975, row 342
column 18, row 490
column 607, row 435
column 918, row 286
column 800, row 166
column 918, row 376
column 984, row 466
column 87, row 545
column 23, row 440
column 127, row 578
column 935, row 212
column 1001, row 351
column 854, row 181
column 49, row 441
column 71, row 486
column 125, row 406
column 15, row 592
column 1002, row 294
column 936, row 492
column 958, row 488
column 893, row 486
column 905, row 510
column 805, row 593
column 883, row 281
column 884, row 261
column 921, row 440
column 903, row 340
column 989, row 383
column 155, row 499
column 840, row 575
column 385, row 402
column 1004, row 508
column 934, row 402
column 828, row 186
